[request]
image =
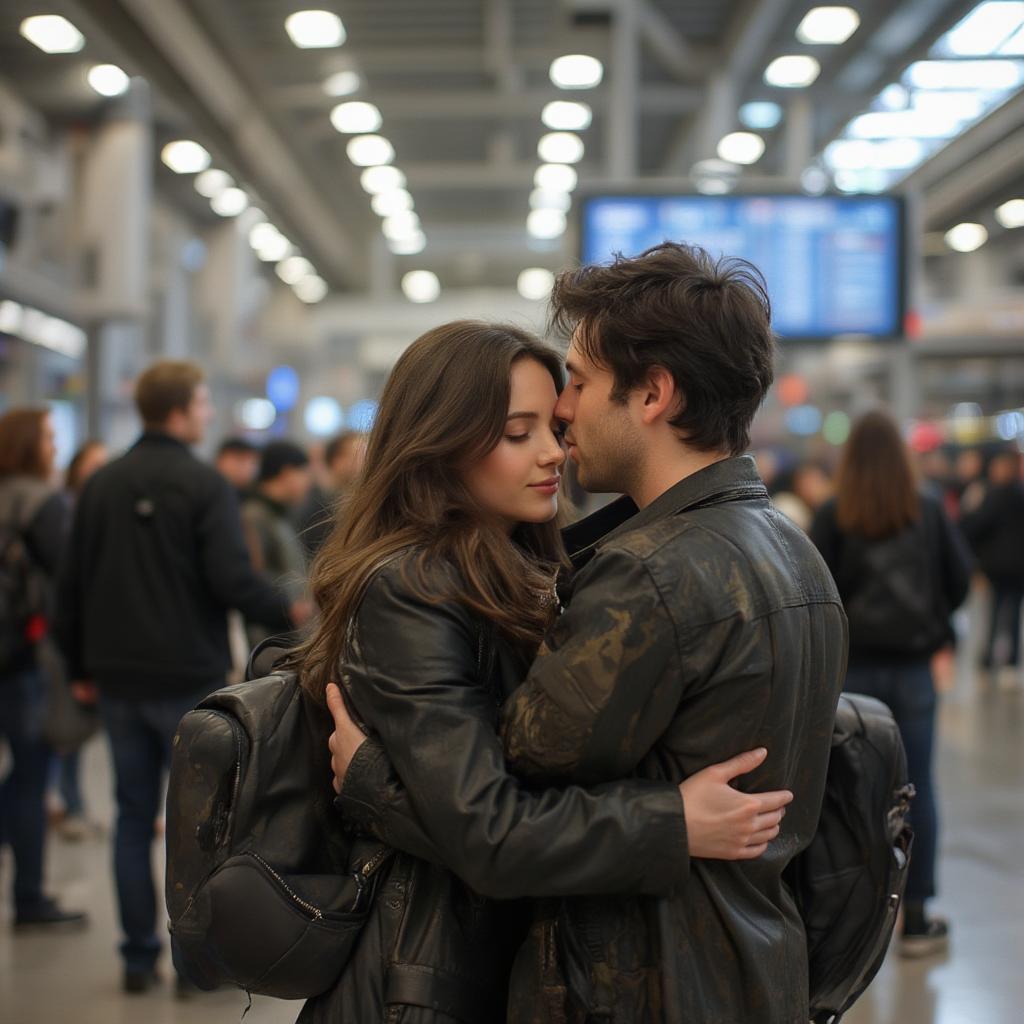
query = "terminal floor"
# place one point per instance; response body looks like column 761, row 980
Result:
column 50, row 979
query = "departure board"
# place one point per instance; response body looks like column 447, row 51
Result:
column 833, row 264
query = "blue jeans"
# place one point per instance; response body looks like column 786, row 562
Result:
column 65, row 774
column 23, row 793
column 1007, row 599
column 909, row 691
column 140, row 734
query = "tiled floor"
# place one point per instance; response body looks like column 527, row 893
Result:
column 52, row 979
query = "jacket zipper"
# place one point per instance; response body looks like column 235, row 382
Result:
column 315, row 912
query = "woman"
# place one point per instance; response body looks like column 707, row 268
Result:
column 435, row 589
column 901, row 569
column 33, row 520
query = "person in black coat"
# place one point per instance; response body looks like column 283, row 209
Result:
column 901, row 569
column 155, row 560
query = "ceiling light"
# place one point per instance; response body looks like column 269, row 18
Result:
column 310, row 289
column 814, row 181
column 370, row 150
column 535, row 283
column 324, row 416
column 760, row 114
column 545, row 223
column 107, row 79
column 860, row 155
column 311, row 30
column 900, row 124
column 576, row 71
column 741, row 148
column 185, row 157
column 396, row 201
column 294, row 269
column 1011, row 214
column 796, row 71
column 343, row 83
column 894, row 97
column 984, row 30
column 263, row 234
column 400, row 225
column 256, row 413
column 381, row 179
column 966, row 106
column 966, row 237
column 229, row 203
column 274, row 250
column 421, row 286
column 408, row 246
column 356, row 116
column 560, row 148
column 964, row 74
column 828, row 26
column 212, row 182
column 564, row 116
column 52, row 33
column 555, row 177
column 1014, row 46
column 543, row 199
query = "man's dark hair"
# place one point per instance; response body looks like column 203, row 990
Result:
column 338, row 444
column 166, row 386
column 278, row 456
column 706, row 321
column 237, row 446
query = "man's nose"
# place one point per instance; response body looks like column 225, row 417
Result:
column 563, row 407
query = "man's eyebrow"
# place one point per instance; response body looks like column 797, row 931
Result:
column 522, row 416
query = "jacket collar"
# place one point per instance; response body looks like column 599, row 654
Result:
column 159, row 437
column 726, row 480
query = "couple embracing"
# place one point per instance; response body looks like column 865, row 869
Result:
column 559, row 769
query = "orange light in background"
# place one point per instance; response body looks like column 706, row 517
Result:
column 793, row 390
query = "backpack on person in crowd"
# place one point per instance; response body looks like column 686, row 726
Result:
column 22, row 624
column 849, row 882
column 264, row 888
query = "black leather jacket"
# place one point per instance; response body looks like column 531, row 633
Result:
column 428, row 680
column 702, row 626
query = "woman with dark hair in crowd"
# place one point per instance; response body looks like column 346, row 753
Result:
column 33, row 521
column 435, row 588
column 902, row 569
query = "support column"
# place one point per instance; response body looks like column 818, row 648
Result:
column 622, row 141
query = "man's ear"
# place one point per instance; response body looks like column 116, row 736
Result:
column 661, row 397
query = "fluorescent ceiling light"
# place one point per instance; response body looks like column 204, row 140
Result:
column 545, row 223
column 381, row 179
column 370, row 150
column 294, row 269
column 315, row 29
column 421, row 286
column 1014, row 46
column 894, row 97
column 256, row 413
column 555, row 177
column 396, row 201
column 964, row 74
column 270, row 245
column 814, row 181
column 760, row 114
column 401, row 225
column 535, row 283
column 229, row 203
column 576, row 71
column 741, row 148
column 859, row 154
column 796, row 71
column 900, row 124
column 828, row 26
column 212, row 182
column 966, row 237
column 408, row 246
column 52, row 33
column 967, row 106
column 356, row 116
column 565, row 116
column 1011, row 214
column 343, row 83
column 184, row 156
column 310, row 289
column 560, row 148
column 542, row 199
column 107, row 79
column 984, row 30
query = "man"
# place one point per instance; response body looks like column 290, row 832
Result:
column 343, row 461
column 281, row 487
column 154, row 562
column 238, row 461
column 704, row 623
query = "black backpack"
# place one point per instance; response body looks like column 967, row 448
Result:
column 264, row 888
column 21, row 586
column 849, row 882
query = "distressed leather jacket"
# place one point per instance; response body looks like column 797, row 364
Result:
column 427, row 679
column 702, row 626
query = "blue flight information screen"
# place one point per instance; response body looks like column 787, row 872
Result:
column 834, row 265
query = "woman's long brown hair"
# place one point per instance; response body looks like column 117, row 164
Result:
column 444, row 406
column 21, row 435
column 876, row 487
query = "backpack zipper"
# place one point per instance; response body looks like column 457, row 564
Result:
column 315, row 912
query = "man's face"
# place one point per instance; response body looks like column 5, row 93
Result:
column 239, row 468
column 198, row 415
column 295, row 484
column 603, row 437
